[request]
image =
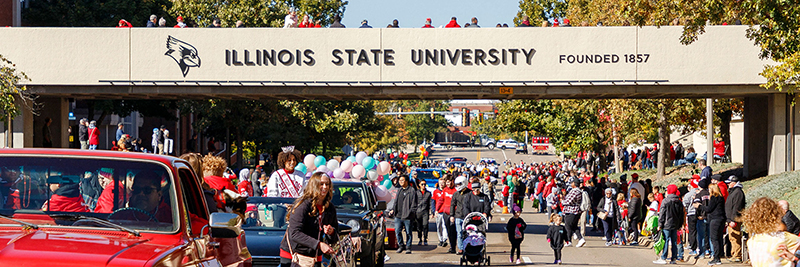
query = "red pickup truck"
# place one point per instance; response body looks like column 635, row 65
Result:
column 102, row 208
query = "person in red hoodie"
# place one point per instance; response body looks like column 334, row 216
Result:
column 94, row 135
column 180, row 23
column 443, row 207
column 213, row 169
column 453, row 23
column 66, row 197
column 124, row 24
column 427, row 23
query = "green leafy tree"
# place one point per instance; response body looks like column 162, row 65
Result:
column 255, row 13
column 539, row 11
column 93, row 13
column 11, row 90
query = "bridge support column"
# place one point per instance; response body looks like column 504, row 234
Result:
column 777, row 133
column 756, row 123
column 21, row 130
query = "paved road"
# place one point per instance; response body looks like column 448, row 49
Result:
column 535, row 249
column 475, row 154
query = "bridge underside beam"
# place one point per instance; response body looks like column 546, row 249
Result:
column 398, row 92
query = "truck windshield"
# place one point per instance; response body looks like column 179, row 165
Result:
column 266, row 216
column 349, row 197
column 62, row 191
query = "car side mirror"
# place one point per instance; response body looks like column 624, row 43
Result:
column 225, row 225
column 381, row 205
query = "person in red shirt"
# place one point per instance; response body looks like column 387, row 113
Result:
column 66, row 197
column 94, row 135
column 427, row 23
column 443, row 207
column 213, row 169
column 180, row 23
column 658, row 196
column 453, row 23
column 719, row 149
column 124, row 24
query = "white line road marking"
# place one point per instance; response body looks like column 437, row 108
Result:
column 504, row 154
column 527, row 260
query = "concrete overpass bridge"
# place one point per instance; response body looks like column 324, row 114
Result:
column 373, row 64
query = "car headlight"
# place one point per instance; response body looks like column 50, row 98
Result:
column 355, row 225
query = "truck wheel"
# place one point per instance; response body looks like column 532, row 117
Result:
column 490, row 146
column 449, row 147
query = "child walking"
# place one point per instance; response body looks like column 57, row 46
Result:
column 556, row 236
column 516, row 232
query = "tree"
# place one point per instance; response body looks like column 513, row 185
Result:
column 12, row 91
column 539, row 11
column 93, row 13
column 255, row 13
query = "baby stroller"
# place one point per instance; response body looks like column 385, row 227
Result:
column 474, row 239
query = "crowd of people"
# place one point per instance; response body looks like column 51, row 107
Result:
column 89, row 138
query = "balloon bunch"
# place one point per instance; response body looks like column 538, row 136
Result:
column 360, row 166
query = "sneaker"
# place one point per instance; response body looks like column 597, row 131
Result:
column 672, row 262
column 568, row 244
column 634, row 243
column 581, row 242
column 693, row 253
column 444, row 244
column 735, row 260
column 400, row 250
column 425, row 243
column 604, row 239
column 408, row 251
column 510, row 259
column 419, row 243
column 451, row 251
column 608, row 244
column 574, row 236
column 558, row 262
column 518, row 261
column 660, row 261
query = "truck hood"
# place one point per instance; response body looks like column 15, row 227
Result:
column 76, row 247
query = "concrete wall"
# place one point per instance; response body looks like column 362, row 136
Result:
column 620, row 55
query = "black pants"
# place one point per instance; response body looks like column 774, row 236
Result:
column 716, row 230
column 633, row 228
column 691, row 220
column 422, row 226
column 451, row 231
column 572, row 225
column 557, row 251
column 515, row 244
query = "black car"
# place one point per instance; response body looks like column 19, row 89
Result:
column 358, row 207
column 265, row 226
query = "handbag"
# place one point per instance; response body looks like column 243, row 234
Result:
column 299, row 260
column 602, row 215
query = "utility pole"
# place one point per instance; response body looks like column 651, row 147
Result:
column 709, row 130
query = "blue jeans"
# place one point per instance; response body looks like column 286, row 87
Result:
column 92, row 147
column 703, row 244
column 671, row 240
column 542, row 203
column 401, row 225
column 458, row 233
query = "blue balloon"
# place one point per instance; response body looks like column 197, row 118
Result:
column 319, row 161
column 368, row 163
column 387, row 183
column 301, row 167
column 352, row 159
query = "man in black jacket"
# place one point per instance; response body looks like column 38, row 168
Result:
column 477, row 202
column 789, row 219
column 83, row 133
column 733, row 208
column 456, row 204
column 403, row 211
column 670, row 219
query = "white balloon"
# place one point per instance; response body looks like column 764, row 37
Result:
column 358, row 172
column 332, row 165
column 323, row 168
column 338, row 173
column 360, row 156
column 346, row 166
column 372, row 175
column 309, row 162
column 384, row 168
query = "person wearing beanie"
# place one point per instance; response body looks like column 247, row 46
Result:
column 180, row 23
column 477, row 201
column 516, row 233
column 691, row 215
column 670, row 219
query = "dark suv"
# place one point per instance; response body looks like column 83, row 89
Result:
column 358, row 207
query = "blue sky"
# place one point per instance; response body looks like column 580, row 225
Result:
column 412, row 13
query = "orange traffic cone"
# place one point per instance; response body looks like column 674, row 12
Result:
column 505, row 210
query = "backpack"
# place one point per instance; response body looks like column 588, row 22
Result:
column 586, row 202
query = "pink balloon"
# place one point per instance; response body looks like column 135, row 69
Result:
column 338, row 173
column 347, row 166
column 358, row 172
